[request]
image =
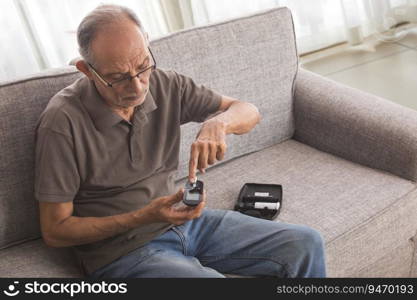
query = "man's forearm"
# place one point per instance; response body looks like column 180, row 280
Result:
column 239, row 118
column 83, row 230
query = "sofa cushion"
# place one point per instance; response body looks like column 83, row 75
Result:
column 362, row 213
column 21, row 103
column 396, row 263
column 35, row 259
column 369, row 213
column 253, row 59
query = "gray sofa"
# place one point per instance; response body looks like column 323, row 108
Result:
column 347, row 160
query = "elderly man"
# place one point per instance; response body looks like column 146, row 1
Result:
column 106, row 150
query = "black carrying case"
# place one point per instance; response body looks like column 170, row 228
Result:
column 252, row 193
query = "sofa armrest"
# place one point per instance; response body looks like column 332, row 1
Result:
column 355, row 125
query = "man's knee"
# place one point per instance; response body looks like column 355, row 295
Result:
column 307, row 240
column 307, row 246
column 312, row 237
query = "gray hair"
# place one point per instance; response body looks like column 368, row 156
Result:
column 98, row 18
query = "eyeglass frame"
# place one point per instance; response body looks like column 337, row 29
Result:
column 126, row 77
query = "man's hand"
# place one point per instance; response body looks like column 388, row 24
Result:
column 236, row 117
column 61, row 229
column 162, row 209
column 209, row 146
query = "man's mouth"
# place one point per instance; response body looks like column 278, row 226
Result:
column 134, row 98
column 131, row 99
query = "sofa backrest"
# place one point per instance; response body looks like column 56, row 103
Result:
column 21, row 103
column 252, row 58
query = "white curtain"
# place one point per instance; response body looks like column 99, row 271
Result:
column 319, row 23
column 40, row 34
column 17, row 53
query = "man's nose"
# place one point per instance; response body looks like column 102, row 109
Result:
column 137, row 84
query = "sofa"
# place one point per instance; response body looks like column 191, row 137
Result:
column 347, row 160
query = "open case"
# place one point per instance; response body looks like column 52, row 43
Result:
column 260, row 200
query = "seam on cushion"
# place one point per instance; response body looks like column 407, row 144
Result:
column 295, row 76
column 20, row 242
column 371, row 218
column 7, row 84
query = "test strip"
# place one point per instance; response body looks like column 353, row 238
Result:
column 267, row 205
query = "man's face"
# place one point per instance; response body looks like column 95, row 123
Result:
column 120, row 50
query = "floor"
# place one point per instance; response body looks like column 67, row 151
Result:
column 386, row 69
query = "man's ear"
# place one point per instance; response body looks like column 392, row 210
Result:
column 83, row 67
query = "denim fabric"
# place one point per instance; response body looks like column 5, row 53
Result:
column 225, row 242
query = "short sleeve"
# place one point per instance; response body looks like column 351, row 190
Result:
column 197, row 101
column 56, row 174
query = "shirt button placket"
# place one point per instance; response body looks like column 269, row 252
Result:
column 132, row 144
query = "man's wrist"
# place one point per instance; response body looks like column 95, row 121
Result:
column 220, row 122
column 143, row 216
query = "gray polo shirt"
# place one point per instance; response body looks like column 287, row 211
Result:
column 87, row 154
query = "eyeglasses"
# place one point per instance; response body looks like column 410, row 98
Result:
column 127, row 78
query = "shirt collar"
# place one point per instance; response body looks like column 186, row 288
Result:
column 101, row 114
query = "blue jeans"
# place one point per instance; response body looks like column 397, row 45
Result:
column 225, row 242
